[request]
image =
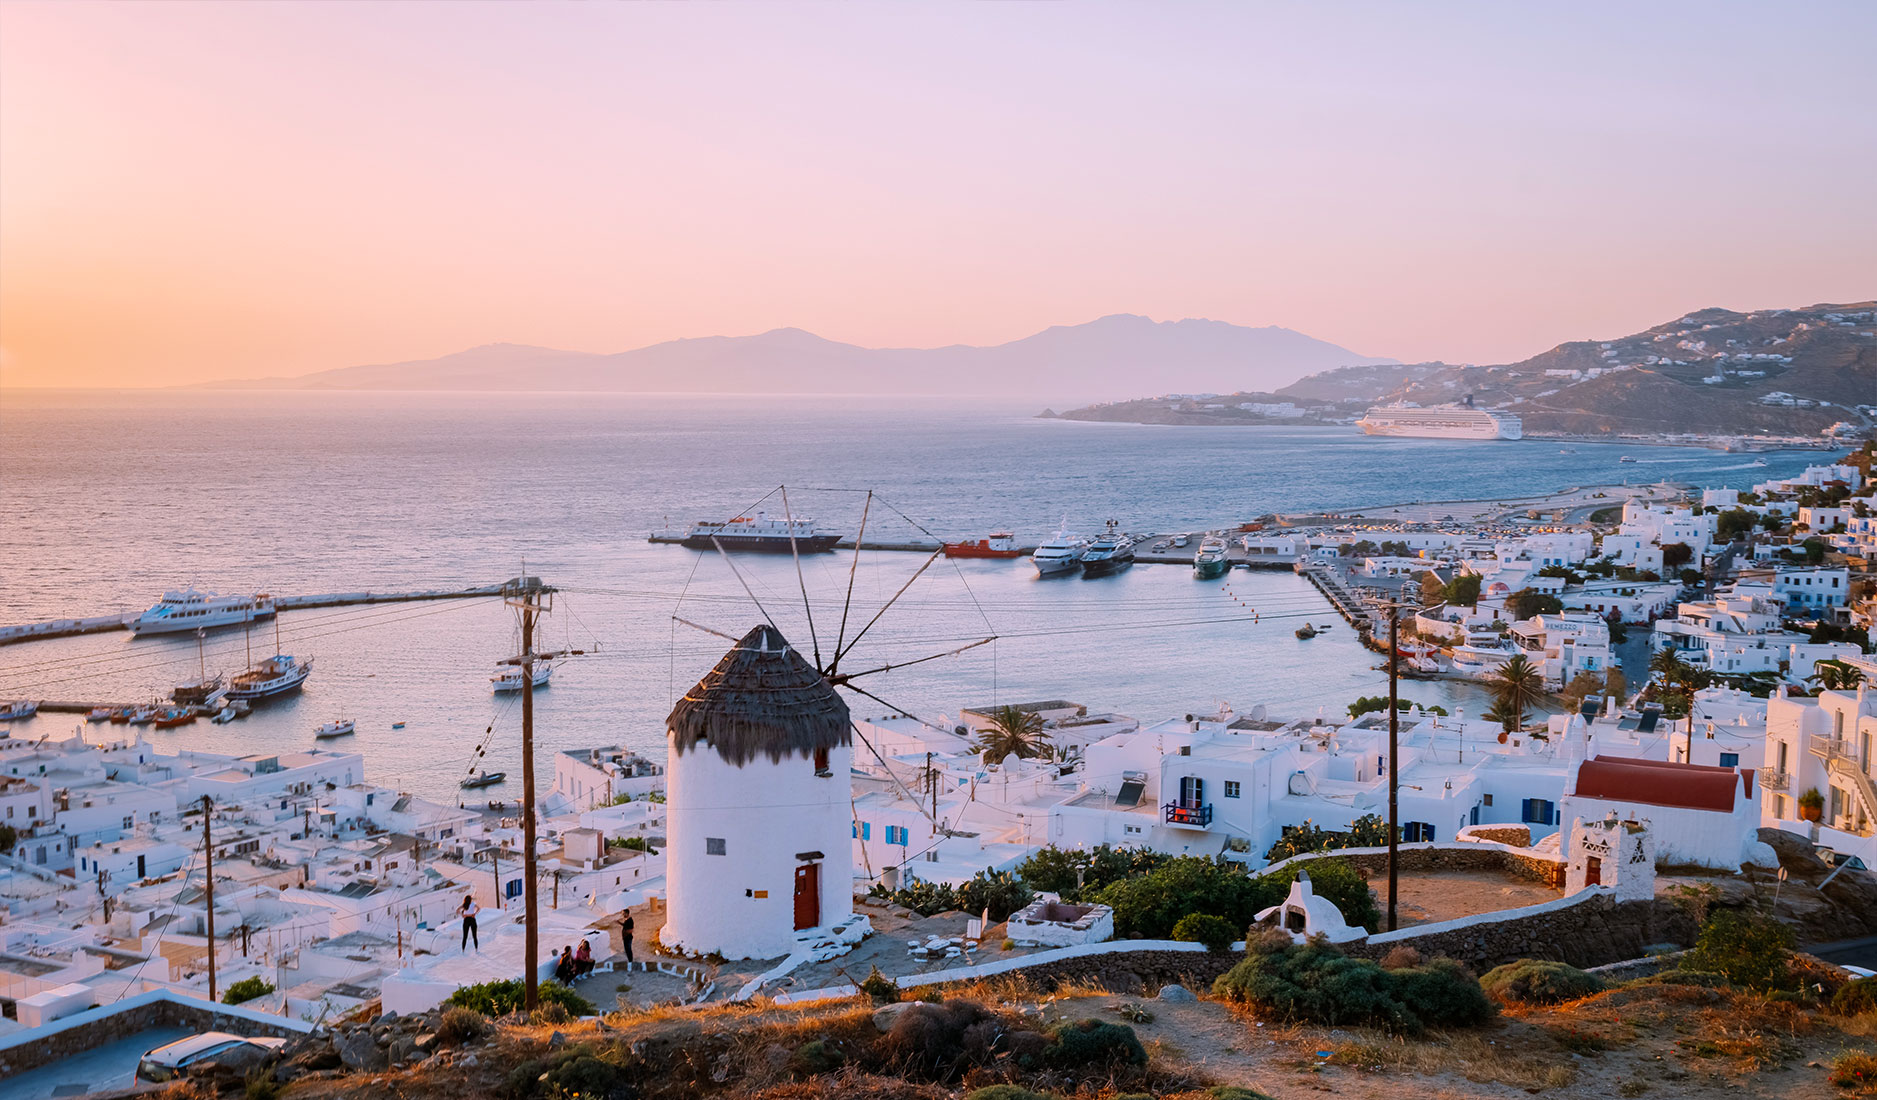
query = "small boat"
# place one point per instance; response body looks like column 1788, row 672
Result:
column 1306, row 632
column 1626, row 458
column 196, row 692
column 143, row 716
column 338, row 727
column 509, row 679
column 397, row 725
column 483, row 779
column 173, row 717
column 23, row 708
column 99, row 714
column 121, row 715
column 1759, row 462
column 1000, row 544
column 1210, row 560
column 225, row 715
column 1567, row 450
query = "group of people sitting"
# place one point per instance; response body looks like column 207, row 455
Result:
column 574, row 965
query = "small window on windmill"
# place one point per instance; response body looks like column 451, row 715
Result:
column 713, row 846
column 821, row 762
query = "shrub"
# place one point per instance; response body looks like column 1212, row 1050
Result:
column 814, row 1057
column 998, row 891
column 1855, row 998
column 1095, row 1043
column 246, row 990
column 881, row 988
column 504, row 997
column 587, row 1071
column 1007, row 1092
column 933, row 1037
column 1234, row 1092
column 1149, row 905
column 1054, row 869
column 1748, row 949
column 460, row 1026
column 1854, row 1069
column 1216, row 933
column 630, row 843
column 1367, row 831
column 1316, row 982
column 1539, row 982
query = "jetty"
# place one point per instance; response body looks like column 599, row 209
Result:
column 101, row 624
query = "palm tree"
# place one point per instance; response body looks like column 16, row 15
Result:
column 1516, row 686
column 1013, row 731
column 1835, row 675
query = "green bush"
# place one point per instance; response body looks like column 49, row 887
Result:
column 1216, row 933
column 462, row 1025
column 1235, row 1092
column 587, row 1071
column 1054, row 869
column 1367, row 831
column 881, row 988
column 1749, row 950
column 1150, row 905
column 504, row 997
column 246, row 990
column 1855, row 998
column 1539, row 982
column 1315, row 982
column 999, row 891
column 1007, row 1092
column 815, row 1057
column 1095, row 1043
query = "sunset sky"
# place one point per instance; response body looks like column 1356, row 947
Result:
column 191, row 192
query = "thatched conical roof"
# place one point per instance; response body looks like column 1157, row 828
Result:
column 762, row 698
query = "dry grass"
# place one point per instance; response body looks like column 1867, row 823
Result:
column 1465, row 1054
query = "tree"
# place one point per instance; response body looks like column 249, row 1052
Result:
column 1836, row 675
column 1516, row 686
column 9, row 836
column 1581, row 687
column 1013, row 731
column 1815, row 548
column 1735, row 523
column 1369, row 704
column 1615, row 684
column 1677, row 554
column 1463, row 590
column 1528, row 603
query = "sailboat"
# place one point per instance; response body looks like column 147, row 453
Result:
column 277, row 675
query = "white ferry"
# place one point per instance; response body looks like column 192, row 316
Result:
column 277, row 675
column 509, row 679
column 761, row 534
column 1062, row 553
column 1461, row 421
column 193, row 610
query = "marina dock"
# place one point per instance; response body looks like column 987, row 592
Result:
column 101, row 624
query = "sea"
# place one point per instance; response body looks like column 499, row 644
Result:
column 109, row 498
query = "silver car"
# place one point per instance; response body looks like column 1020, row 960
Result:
column 172, row 1060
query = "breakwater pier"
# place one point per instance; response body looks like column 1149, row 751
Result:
column 100, row 624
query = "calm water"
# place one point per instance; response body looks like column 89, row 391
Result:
column 108, row 499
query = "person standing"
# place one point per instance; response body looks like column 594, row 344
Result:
column 469, row 910
column 625, row 928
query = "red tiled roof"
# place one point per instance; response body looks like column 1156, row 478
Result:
column 1660, row 783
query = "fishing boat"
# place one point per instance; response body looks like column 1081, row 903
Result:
column 23, row 708
column 225, row 715
column 143, row 716
column 509, row 678
column 1306, row 632
column 277, row 675
column 1209, row 560
column 483, row 779
column 193, row 610
column 338, row 727
column 1000, row 544
column 173, row 717
column 760, row 534
column 1567, row 450
column 1061, row 553
column 121, row 715
column 197, row 692
column 1109, row 553
column 98, row 714
column 1626, row 458
column 397, row 725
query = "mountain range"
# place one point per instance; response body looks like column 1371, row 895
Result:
column 1108, row 357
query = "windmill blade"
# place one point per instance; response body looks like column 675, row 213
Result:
column 845, row 679
column 796, row 550
column 851, row 567
column 890, row 774
column 884, row 608
column 714, row 541
column 890, row 706
column 705, row 629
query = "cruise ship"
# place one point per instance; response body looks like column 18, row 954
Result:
column 1461, row 421
column 762, row 534
column 193, row 610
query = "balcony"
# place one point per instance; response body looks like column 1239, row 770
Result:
column 1774, row 780
column 1193, row 815
column 1828, row 747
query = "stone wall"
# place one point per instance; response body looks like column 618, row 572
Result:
column 92, row 1029
column 1518, row 836
column 1373, row 862
column 1129, row 972
column 1594, row 931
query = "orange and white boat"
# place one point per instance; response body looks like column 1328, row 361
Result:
column 1001, row 544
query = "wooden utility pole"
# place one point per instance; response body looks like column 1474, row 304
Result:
column 1394, row 722
column 208, row 863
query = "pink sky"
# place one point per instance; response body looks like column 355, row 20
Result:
column 191, row 192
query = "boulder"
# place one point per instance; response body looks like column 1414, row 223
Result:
column 1177, row 994
column 359, row 1051
column 886, row 1016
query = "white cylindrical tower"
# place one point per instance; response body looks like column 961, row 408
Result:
column 758, row 805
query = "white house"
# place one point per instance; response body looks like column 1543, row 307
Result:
column 586, row 778
column 1700, row 815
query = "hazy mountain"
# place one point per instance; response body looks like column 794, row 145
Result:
column 1114, row 355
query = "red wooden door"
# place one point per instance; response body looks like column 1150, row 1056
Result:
column 807, row 896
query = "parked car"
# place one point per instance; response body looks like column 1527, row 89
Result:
column 1833, row 858
column 172, row 1060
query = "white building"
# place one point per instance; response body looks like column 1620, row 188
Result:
column 1564, row 646
column 586, row 778
column 760, row 857
column 1704, row 816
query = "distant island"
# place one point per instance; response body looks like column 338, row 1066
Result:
column 1784, row 374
